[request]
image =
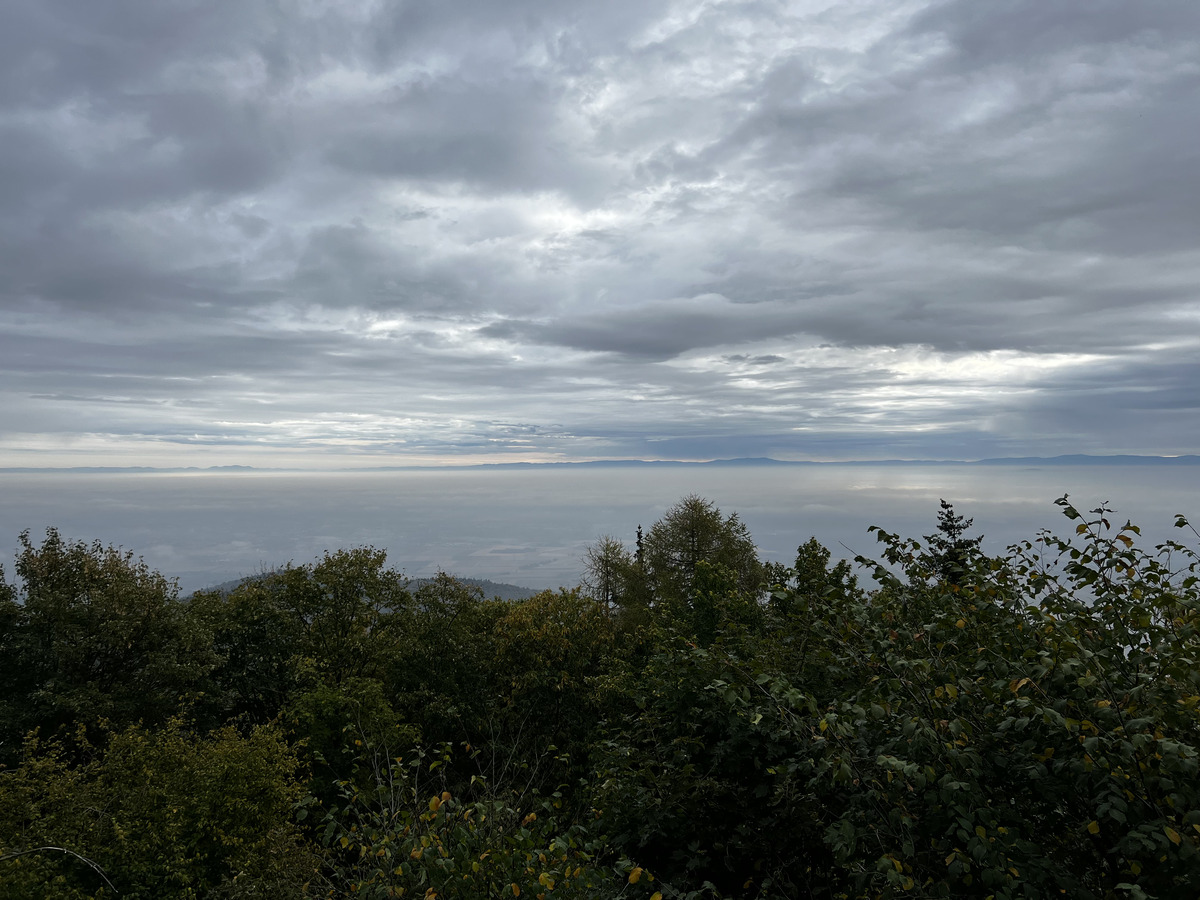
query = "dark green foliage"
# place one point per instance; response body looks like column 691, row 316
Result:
column 340, row 610
column 694, row 531
column 15, row 683
column 331, row 719
column 408, row 835
column 163, row 813
column 96, row 634
column 686, row 784
column 951, row 553
column 1030, row 731
column 440, row 673
column 952, row 726
column 812, row 580
column 334, row 620
column 551, row 654
column 610, row 573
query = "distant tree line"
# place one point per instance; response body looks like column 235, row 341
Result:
column 689, row 722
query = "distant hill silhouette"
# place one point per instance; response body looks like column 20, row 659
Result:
column 492, row 590
column 1075, row 459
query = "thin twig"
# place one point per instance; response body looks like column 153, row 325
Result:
column 93, row 866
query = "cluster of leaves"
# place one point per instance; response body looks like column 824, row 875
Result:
column 163, row 813
column 392, row 834
column 940, row 723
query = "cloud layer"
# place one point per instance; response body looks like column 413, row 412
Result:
column 317, row 233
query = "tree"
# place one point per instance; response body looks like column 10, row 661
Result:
column 259, row 646
column 952, row 553
column 338, row 617
column 691, row 531
column 439, row 674
column 607, row 571
column 811, row 579
column 347, row 604
column 551, row 651
column 97, row 634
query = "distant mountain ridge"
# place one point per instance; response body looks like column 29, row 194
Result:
column 1072, row 459
column 1076, row 459
column 1082, row 459
column 492, row 590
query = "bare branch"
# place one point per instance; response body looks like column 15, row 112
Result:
column 93, row 866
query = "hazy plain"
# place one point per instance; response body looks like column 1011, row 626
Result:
column 531, row 526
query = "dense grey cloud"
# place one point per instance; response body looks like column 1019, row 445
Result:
column 313, row 232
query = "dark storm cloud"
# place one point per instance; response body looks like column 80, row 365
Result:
column 579, row 229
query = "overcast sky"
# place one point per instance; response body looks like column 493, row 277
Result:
column 351, row 233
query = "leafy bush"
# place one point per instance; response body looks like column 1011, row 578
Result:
column 93, row 633
column 163, row 813
column 395, row 835
column 1027, row 729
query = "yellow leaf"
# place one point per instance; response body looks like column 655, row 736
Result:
column 961, row 623
column 516, row 890
column 635, row 875
column 434, row 804
column 1172, row 834
column 981, row 831
column 1093, row 827
column 657, row 895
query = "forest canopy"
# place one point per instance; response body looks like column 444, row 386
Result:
column 690, row 721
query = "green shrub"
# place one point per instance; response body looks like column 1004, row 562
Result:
column 162, row 814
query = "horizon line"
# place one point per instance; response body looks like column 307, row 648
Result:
column 1060, row 459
